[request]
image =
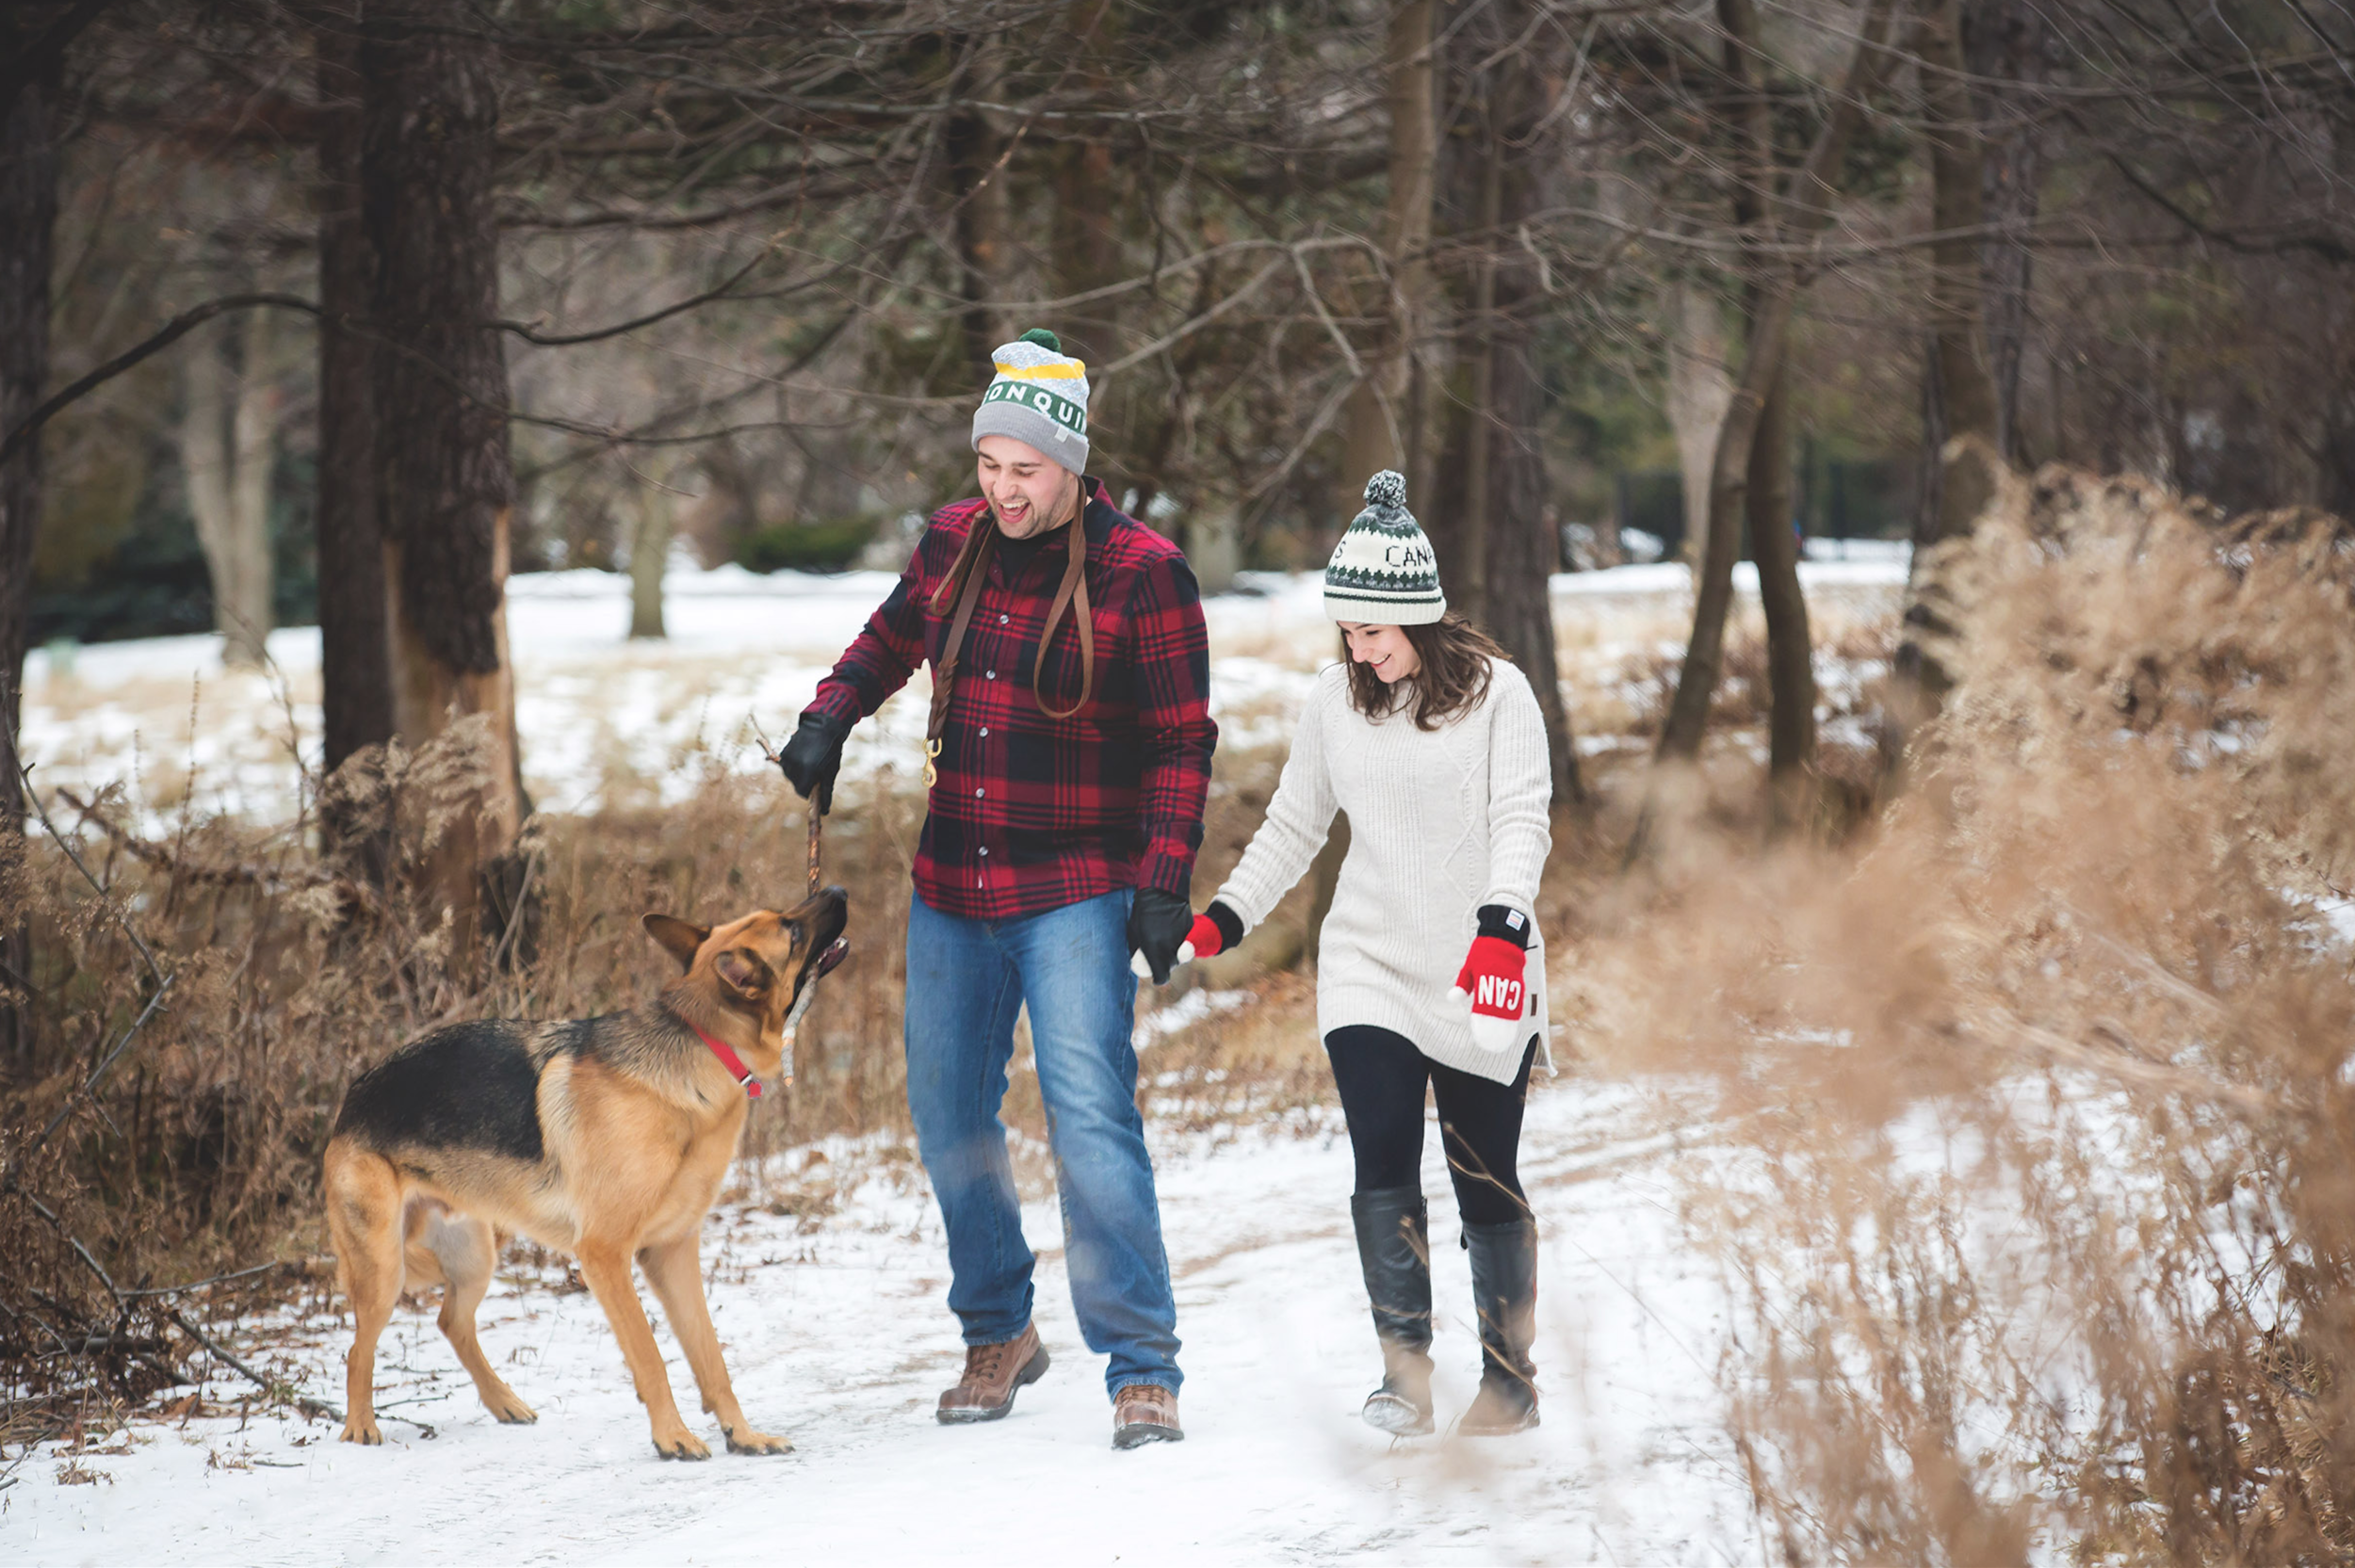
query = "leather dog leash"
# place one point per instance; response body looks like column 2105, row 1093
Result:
column 964, row 581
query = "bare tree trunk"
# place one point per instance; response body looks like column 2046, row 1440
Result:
column 1383, row 421
column 355, row 670
column 445, row 477
column 1700, row 387
column 1790, row 652
column 1523, row 553
column 226, row 455
column 1519, row 543
column 29, row 212
column 1801, row 213
column 982, row 223
column 1963, row 416
column 1086, row 247
column 2004, row 44
column 1480, row 411
column 1966, row 394
column 649, row 557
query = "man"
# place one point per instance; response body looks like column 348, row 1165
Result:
column 1068, row 752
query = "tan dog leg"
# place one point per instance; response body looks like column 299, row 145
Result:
column 606, row 1269
column 467, row 1250
column 363, row 1216
column 676, row 1272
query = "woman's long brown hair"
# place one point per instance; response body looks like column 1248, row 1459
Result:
column 1454, row 678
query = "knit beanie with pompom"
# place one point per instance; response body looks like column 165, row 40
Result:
column 1383, row 573
column 1039, row 396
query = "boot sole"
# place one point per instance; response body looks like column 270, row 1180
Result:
column 966, row 1416
column 1396, row 1417
column 1138, row 1433
column 1463, row 1431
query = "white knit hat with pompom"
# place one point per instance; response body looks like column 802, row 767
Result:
column 1383, row 573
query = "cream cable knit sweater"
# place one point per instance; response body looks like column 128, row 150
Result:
column 1441, row 822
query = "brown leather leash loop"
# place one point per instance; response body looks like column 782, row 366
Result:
column 963, row 582
column 1074, row 587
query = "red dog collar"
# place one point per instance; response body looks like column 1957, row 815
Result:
column 734, row 1063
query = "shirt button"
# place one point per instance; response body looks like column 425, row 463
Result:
column 984, row 852
column 993, row 674
column 979, row 793
column 984, row 731
column 1001, row 621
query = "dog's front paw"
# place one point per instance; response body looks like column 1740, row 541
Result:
column 678, row 1442
column 750, row 1442
column 363, row 1428
column 511, row 1411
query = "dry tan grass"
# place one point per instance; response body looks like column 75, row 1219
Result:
column 2043, row 1210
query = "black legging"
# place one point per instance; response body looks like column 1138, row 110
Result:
column 1381, row 1076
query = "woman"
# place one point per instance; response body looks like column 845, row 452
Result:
column 1432, row 741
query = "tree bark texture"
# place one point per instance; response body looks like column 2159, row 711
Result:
column 355, row 669
column 1086, row 249
column 1384, row 423
column 29, row 212
column 444, row 478
column 2003, row 43
column 1798, row 214
column 649, row 557
column 983, row 226
column 1790, row 651
column 1700, row 390
column 228, row 449
column 1966, row 402
column 1487, row 514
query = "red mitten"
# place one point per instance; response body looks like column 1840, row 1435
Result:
column 1492, row 978
column 1205, row 939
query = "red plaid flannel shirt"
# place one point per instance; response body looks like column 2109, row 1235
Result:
column 1032, row 813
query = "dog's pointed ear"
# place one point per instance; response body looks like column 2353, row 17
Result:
column 744, row 972
column 677, row 937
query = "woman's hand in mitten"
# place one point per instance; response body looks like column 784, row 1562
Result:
column 1213, row 932
column 1491, row 978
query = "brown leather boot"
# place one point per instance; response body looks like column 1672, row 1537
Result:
column 1145, row 1412
column 992, row 1373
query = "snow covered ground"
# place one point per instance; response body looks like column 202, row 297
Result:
column 608, row 721
column 839, row 1336
column 832, row 1301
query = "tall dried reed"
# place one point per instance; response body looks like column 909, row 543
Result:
column 2043, row 1206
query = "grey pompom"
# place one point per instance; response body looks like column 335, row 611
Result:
column 1387, row 489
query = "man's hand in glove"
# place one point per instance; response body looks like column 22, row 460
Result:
column 814, row 755
column 1158, row 924
column 1213, row 932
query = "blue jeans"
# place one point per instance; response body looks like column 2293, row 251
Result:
column 966, row 979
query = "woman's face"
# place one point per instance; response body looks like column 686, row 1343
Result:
column 1382, row 650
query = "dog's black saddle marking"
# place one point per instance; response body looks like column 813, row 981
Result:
column 470, row 1086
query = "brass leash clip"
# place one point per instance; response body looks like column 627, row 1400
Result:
column 932, row 774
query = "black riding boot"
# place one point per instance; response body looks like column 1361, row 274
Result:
column 1505, row 1291
column 1394, row 1250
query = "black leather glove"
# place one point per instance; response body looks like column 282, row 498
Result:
column 814, row 755
column 1158, row 924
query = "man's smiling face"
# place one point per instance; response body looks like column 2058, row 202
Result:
column 1029, row 492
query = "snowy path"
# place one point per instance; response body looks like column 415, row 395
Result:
column 837, row 1336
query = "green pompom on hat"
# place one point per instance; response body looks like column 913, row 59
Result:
column 1383, row 572
column 1039, row 396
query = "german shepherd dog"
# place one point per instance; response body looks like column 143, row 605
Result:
column 605, row 1137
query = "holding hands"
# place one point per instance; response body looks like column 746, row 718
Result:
column 1161, row 938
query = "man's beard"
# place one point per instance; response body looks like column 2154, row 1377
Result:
column 1043, row 519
